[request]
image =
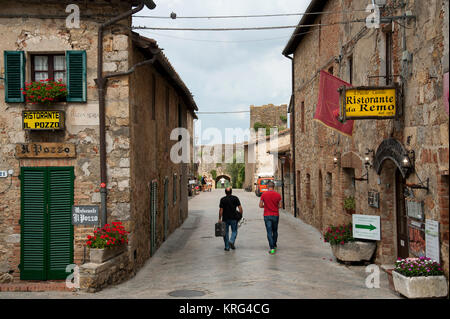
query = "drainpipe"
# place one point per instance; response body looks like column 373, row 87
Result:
column 293, row 134
column 101, row 82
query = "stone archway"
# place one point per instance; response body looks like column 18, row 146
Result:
column 227, row 182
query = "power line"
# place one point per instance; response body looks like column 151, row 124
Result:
column 251, row 16
column 247, row 28
column 228, row 41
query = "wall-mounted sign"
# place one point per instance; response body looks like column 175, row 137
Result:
column 85, row 215
column 366, row 227
column 432, row 239
column 414, row 209
column 45, row 150
column 373, row 199
column 43, row 120
column 416, row 238
column 364, row 102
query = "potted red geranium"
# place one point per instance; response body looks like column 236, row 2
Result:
column 107, row 242
column 45, row 92
column 345, row 247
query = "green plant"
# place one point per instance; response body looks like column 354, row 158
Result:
column 418, row 267
column 339, row 234
column 213, row 173
column 349, row 203
column 237, row 172
column 259, row 125
column 45, row 91
column 283, row 118
column 108, row 236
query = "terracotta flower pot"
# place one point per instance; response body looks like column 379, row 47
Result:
column 100, row 255
column 420, row 287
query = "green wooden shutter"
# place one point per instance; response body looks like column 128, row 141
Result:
column 60, row 229
column 14, row 76
column 33, row 221
column 76, row 76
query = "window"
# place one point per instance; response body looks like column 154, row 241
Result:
column 308, row 187
column 70, row 67
column 330, row 70
column 350, row 69
column 153, row 96
column 302, row 119
column 388, row 36
column 49, row 66
column 174, row 188
column 167, row 105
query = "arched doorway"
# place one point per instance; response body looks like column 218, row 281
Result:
column 388, row 163
column 223, row 181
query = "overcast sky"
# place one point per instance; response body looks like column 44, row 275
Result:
column 227, row 71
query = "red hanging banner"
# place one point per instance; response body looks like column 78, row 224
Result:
column 327, row 111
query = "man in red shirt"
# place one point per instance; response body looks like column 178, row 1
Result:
column 271, row 202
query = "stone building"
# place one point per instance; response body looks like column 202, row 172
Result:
column 272, row 115
column 261, row 157
column 408, row 156
column 145, row 189
column 283, row 175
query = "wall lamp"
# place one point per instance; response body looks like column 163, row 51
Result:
column 367, row 164
column 368, row 160
column 409, row 159
column 337, row 159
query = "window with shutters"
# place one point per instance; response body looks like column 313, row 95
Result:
column 46, row 222
column 71, row 68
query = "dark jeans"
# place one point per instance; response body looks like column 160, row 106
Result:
column 234, row 227
column 272, row 230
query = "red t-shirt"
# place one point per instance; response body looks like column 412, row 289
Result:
column 271, row 200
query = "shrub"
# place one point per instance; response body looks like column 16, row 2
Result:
column 418, row 267
column 108, row 236
column 339, row 234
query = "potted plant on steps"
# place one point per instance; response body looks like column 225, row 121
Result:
column 107, row 242
column 346, row 248
column 419, row 278
column 349, row 205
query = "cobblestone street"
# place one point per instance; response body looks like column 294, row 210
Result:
column 193, row 263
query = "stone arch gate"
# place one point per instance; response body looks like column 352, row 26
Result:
column 227, row 181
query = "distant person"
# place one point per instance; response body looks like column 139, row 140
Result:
column 209, row 183
column 203, row 183
column 229, row 215
column 271, row 202
column 222, row 182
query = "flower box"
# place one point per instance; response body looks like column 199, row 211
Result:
column 100, row 255
column 354, row 251
column 420, row 286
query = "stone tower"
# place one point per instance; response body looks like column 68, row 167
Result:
column 272, row 115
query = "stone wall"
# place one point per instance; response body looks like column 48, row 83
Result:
column 273, row 115
column 322, row 186
column 95, row 277
column 150, row 156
